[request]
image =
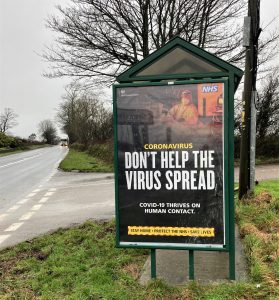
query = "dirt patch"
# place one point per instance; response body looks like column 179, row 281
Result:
column 109, row 228
column 25, row 293
column 263, row 197
column 275, row 255
column 252, row 229
column 8, row 265
column 40, row 255
column 132, row 269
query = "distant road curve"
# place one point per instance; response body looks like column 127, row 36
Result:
column 22, row 172
column 263, row 172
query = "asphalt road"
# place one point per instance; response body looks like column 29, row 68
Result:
column 263, row 172
column 36, row 198
column 23, row 172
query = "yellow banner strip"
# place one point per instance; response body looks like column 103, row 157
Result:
column 171, row 231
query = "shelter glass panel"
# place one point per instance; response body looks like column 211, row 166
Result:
column 178, row 61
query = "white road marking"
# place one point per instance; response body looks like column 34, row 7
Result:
column 3, row 216
column 15, row 207
column 31, row 195
column 48, row 194
column 43, row 200
column 27, row 216
column 36, row 191
column 4, row 237
column 107, row 203
column 19, row 161
column 36, row 207
column 14, row 226
column 88, row 184
column 23, row 201
column 52, row 190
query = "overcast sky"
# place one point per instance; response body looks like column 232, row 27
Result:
column 22, row 35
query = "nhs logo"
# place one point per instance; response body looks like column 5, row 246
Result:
column 210, row 88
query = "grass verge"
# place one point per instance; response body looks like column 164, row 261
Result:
column 83, row 162
column 9, row 151
column 260, row 161
column 82, row 262
column 259, row 226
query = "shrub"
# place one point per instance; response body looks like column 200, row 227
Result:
column 15, row 143
column 5, row 140
column 78, row 147
column 267, row 147
column 102, row 151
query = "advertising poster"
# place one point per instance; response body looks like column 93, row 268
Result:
column 170, row 165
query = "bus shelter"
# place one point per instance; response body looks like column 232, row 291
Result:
column 174, row 153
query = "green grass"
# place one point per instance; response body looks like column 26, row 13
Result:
column 83, row 162
column 83, row 263
column 9, row 151
column 259, row 225
column 78, row 263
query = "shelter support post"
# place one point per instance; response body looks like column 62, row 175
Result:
column 153, row 263
column 191, row 265
column 232, row 264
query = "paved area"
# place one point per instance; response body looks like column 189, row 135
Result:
column 210, row 266
column 23, row 172
column 263, row 172
column 65, row 199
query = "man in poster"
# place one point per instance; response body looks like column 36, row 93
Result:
column 184, row 112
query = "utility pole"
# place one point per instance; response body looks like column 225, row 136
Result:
column 249, row 95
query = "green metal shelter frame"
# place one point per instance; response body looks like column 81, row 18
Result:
column 191, row 65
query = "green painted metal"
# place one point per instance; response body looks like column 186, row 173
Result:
column 170, row 82
column 166, row 247
column 129, row 75
column 153, row 263
column 180, row 76
column 231, row 179
column 226, row 159
column 191, row 265
column 115, row 165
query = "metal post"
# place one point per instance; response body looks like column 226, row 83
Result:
column 251, row 63
column 253, row 141
column 191, row 265
column 153, row 263
column 232, row 259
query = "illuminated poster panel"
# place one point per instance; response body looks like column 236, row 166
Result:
column 170, row 165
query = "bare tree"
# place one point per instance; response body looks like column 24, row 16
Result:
column 66, row 115
column 8, row 120
column 268, row 107
column 48, row 131
column 99, row 39
column 83, row 117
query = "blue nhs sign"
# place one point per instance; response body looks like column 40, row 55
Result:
column 209, row 88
